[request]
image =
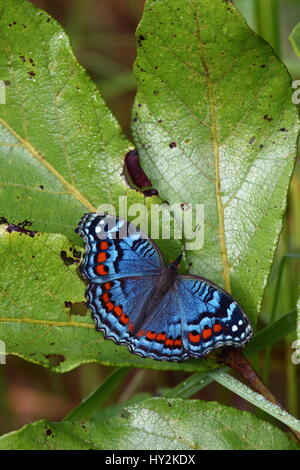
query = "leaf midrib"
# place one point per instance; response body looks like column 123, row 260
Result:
column 215, row 143
column 46, row 322
column 69, row 187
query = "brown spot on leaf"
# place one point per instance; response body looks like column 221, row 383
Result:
column 68, row 260
column 76, row 308
column 140, row 39
column 20, row 227
column 55, row 359
column 76, row 253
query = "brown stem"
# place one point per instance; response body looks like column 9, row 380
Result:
column 235, row 359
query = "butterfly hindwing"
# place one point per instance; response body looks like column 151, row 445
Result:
column 211, row 317
column 116, row 249
column 116, row 307
column 160, row 336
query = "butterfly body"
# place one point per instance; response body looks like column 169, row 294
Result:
column 139, row 301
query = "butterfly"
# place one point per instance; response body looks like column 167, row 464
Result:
column 138, row 300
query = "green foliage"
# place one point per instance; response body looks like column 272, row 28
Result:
column 214, row 124
column 157, row 423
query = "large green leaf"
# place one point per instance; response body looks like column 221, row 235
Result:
column 61, row 150
column 215, row 124
column 164, row 424
column 43, row 315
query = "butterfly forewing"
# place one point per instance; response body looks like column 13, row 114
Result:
column 116, row 249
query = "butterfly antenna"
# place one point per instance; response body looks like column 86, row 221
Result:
column 177, row 261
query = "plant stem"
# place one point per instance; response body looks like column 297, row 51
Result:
column 235, row 359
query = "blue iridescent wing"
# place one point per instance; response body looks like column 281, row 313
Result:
column 116, row 249
column 210, row 317
column 193, row 318
column 122, row 268
column 116, row 307
column 160, row 336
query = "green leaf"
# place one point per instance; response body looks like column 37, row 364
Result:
column 43, row 314
column 255, row 398
column 112, row 410
column 295, row 39
column 164, row 424
column 272, row 333
column 214, row 124
column 61, row 151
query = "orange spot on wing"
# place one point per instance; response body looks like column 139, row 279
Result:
column 161, row 337
column 105, row 297
column 217, row 327
column 124, row 318
column 107, row 285
column 118, row 310
column 206, row 333
column 177, row 342
column 101, row 257
column 141, row 333
column 101, row 269
column 169, row 342
column 194, row 338
column 151, row 334
column 104, row 245
column 109, row 306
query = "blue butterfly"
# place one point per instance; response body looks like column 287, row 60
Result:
column 139, row 301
